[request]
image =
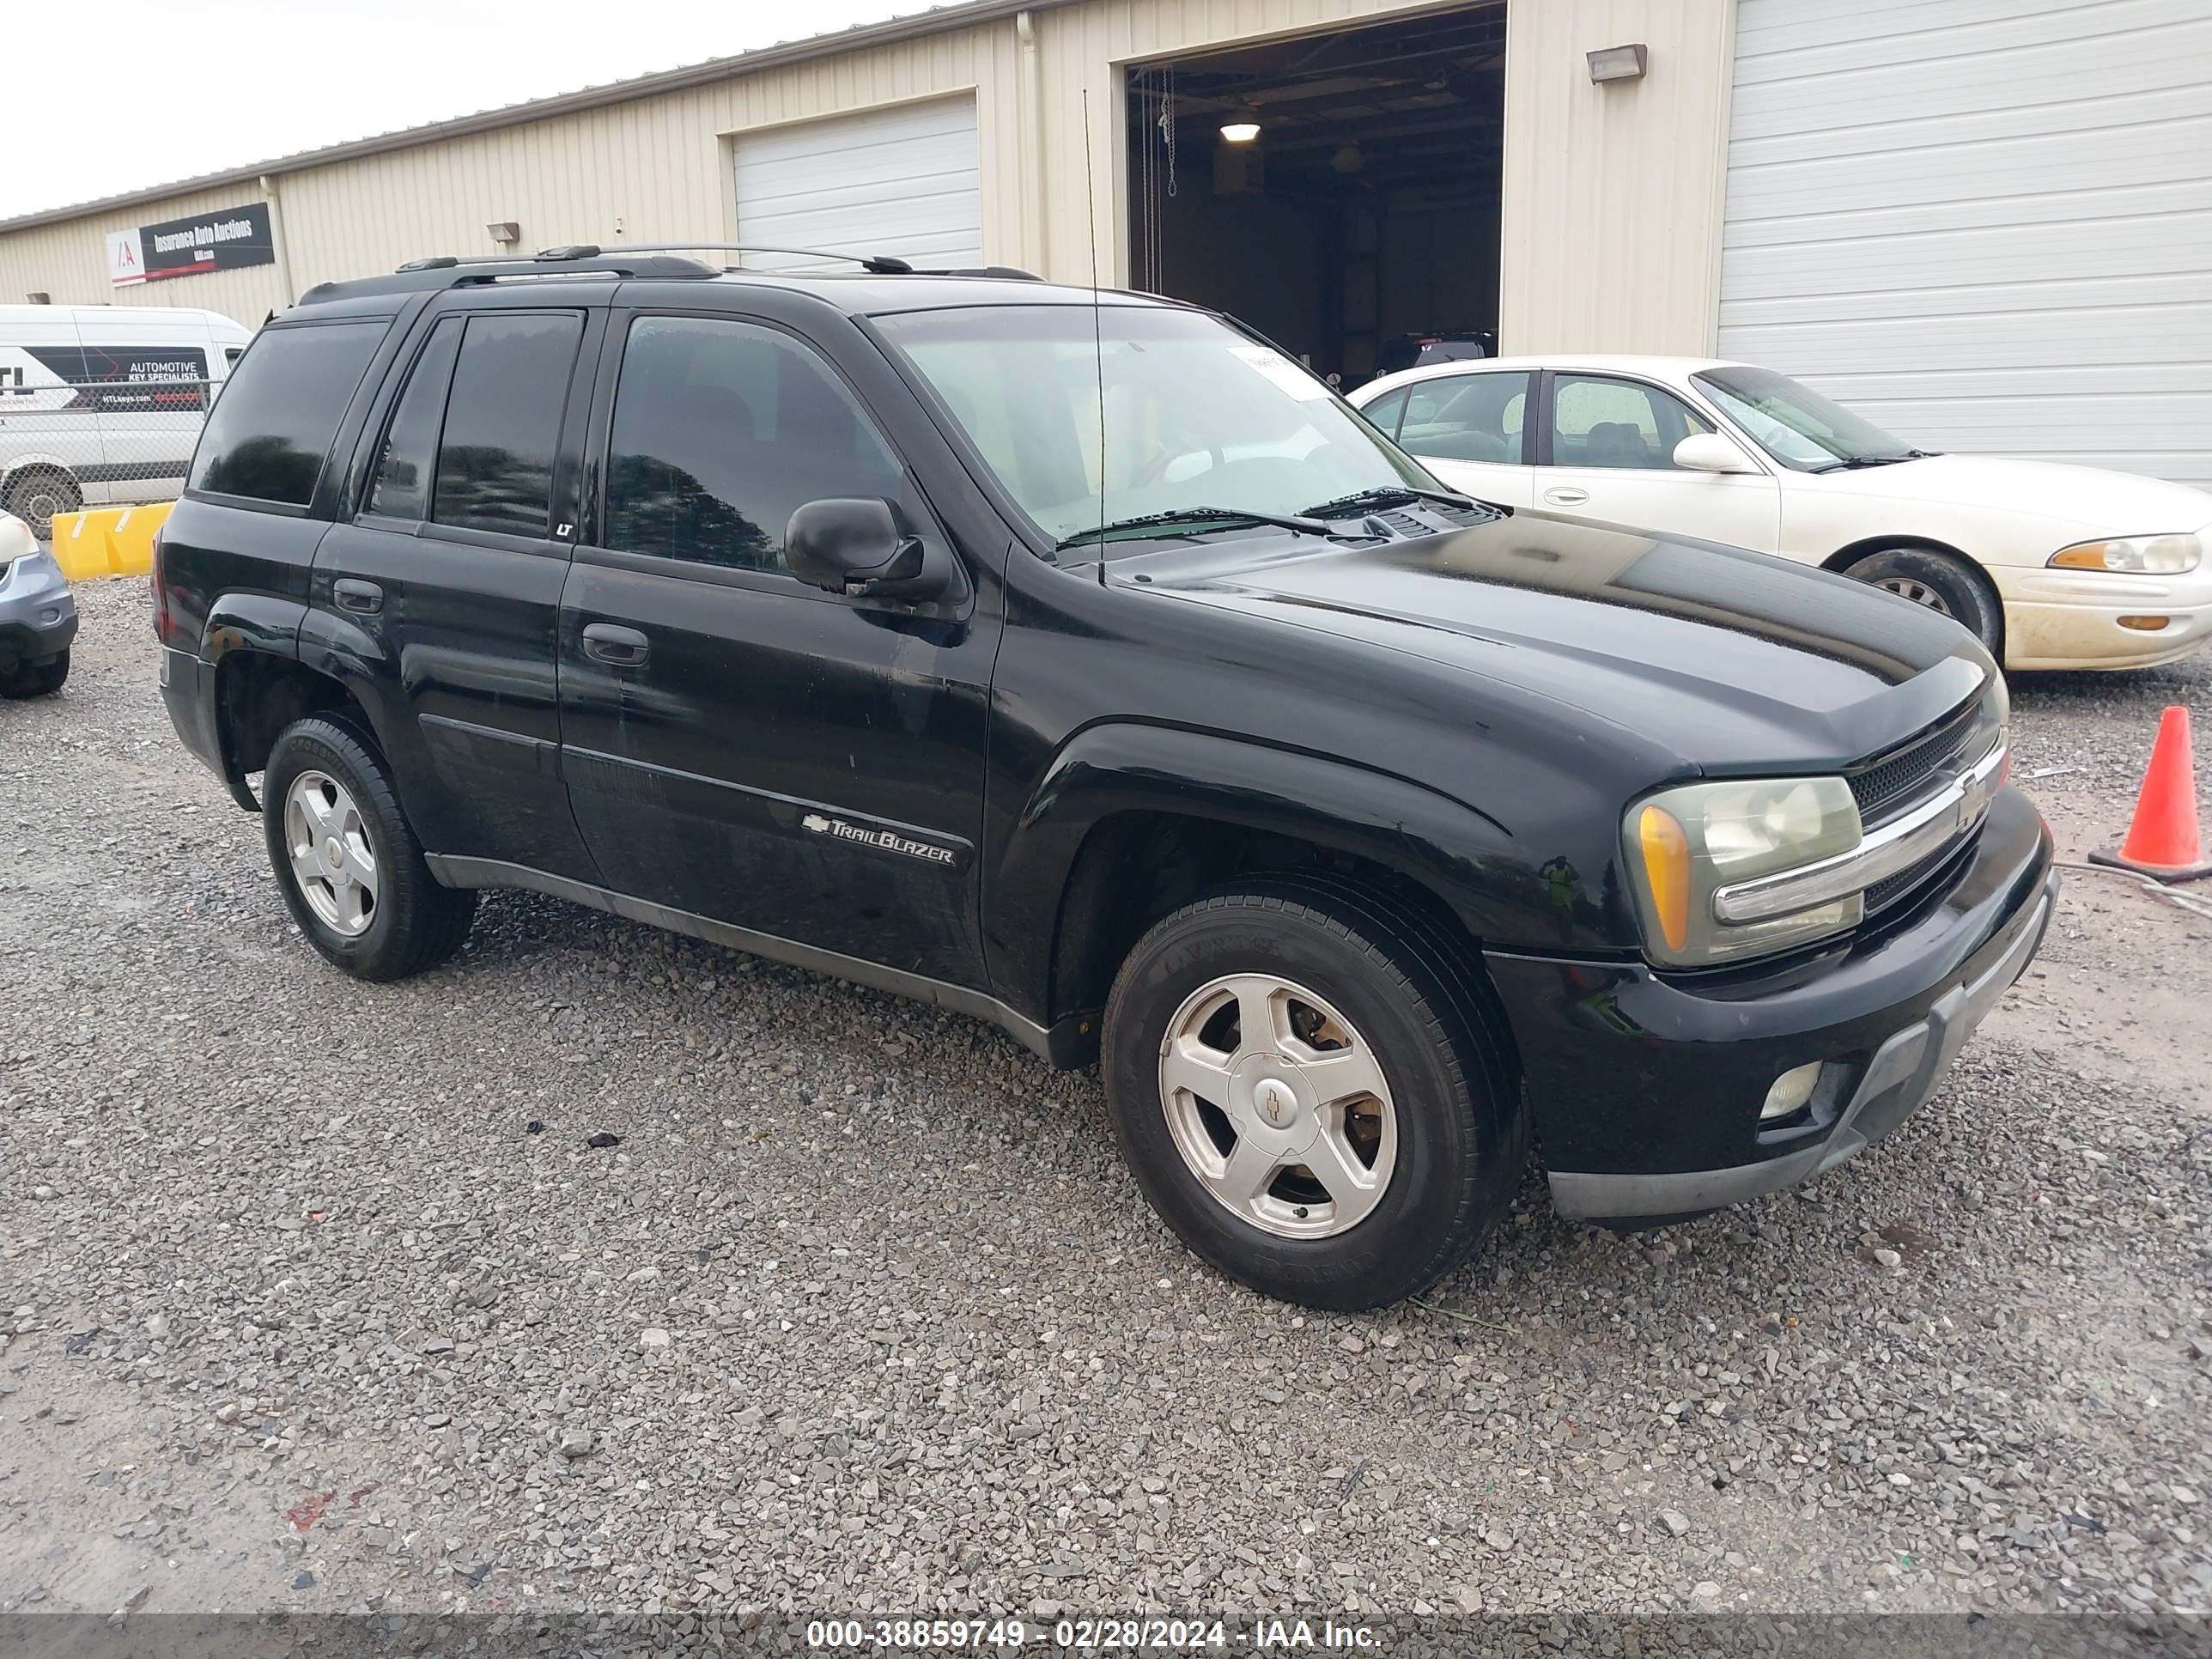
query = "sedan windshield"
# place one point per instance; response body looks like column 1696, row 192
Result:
column 1202, row 429
column 1796, row 424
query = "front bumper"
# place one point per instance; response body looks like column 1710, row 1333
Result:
column 38, row 612
column 1646, row 1089
column 2071, row 618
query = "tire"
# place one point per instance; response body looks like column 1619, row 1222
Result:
column 1444, row 1143
column 37, row 679
column 37, row 493
column 401, row 920
column 1944, row 583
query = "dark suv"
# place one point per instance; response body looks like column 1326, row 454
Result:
column 1092, row 669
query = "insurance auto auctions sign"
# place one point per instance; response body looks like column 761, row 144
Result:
column 223, row 240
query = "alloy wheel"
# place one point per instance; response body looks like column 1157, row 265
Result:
column 331, row 858
column 1919, row 592
column 1278, row 1106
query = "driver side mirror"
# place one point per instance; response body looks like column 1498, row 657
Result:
column 857, row 547
column 1708, row 451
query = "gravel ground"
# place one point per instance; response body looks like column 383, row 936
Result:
column 316, row 1296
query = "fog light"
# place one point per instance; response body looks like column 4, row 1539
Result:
column 1791, row 1092
column 2145, row 624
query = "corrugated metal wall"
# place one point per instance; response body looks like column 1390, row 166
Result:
column 1986, row 227
column 1611, row 194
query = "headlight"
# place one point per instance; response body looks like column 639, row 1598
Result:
column 2139, row 555
column 1683, row 843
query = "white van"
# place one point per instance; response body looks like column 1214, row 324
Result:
column 102, row 405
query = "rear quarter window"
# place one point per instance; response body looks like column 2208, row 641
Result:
column 268, row 432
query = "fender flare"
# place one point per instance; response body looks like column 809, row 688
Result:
column 261, row 624
column 270, row 625
column 1468, row 858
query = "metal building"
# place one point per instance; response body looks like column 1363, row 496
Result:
column 1987, row 223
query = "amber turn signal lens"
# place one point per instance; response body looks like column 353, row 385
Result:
column 2091, row 557
column 1667, row 867
column 2145, row 624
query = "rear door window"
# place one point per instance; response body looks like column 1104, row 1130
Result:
column 409, row 454
column 502, row 425
column 721, row 430
column 268, row 435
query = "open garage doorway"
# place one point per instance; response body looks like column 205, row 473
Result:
column 1337, row 192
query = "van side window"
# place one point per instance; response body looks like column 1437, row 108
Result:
column 401, row 488
column 721, row 429
column 145, row 379
column 503, row 422
column 232, row 354
column 268, row 434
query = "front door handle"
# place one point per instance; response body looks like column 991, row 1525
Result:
column 614, row 646
column 1565, row 495
column 362, row 599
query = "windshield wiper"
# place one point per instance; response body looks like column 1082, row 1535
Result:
column 1222, row 516
column 1389, row 495
column 1851, row 462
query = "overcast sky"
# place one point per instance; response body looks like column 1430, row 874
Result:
column 114, row 96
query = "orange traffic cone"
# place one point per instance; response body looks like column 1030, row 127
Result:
column 2163, row 840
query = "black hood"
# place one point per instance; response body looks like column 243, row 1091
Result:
column 1733, row 661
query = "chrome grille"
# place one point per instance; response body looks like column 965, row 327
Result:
column 1891, row 779
column 1908, row 881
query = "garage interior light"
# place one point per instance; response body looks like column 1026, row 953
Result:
column 1618, row 63
column 1240, row 132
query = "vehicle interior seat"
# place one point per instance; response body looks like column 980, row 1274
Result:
column 1616, row 443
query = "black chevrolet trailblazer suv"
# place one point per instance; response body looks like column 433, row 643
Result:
column 1084, row 664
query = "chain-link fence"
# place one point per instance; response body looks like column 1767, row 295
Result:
column 124, row 437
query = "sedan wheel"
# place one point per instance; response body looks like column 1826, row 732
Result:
column 1919, row 592
column 1941, row 582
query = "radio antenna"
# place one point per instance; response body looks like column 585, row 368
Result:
column 1098, row 322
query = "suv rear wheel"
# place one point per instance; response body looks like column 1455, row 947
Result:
column 1308, row 1092
column 350, row 867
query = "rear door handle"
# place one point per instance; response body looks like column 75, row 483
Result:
column 362, row 599
column 1565, row 495
column 614, row 646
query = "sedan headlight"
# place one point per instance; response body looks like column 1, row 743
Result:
column 1684, row 843
column 2139, row 555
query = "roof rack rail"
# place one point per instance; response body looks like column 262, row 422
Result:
column 449, row 270
column 883, row 264
column 1010, row 273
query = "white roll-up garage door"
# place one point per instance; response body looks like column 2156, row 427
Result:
column 1985, row 224
column 900, row 181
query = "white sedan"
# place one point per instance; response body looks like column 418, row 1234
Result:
column 2053, row 566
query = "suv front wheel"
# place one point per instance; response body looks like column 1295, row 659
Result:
column 347, row 859
column 1308, row 1088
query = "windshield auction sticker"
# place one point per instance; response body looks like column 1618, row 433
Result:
column 1273, row 365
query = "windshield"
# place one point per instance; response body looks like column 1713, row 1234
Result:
column 1794, row 423
column 1196, row 416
